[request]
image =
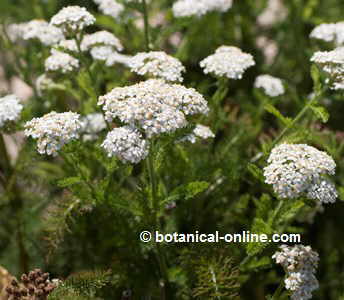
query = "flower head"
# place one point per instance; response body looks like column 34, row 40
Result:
column 157, row 64
column 293, row 169
column 153, row 105
column 228, row 62
column 272, row 86
column 72, row 19
column 300, row 263
column 186, row 8
column 332, row 63
column 10, row 109
column 110, row 7
column 101, row 38
column 329, row 32
column 60, row 61
column 127, row 144
column 199, row 132
column 53, row 131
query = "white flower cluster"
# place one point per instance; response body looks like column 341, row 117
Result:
column 68, row 45
column 53, row 131
column 36, row 29
column 200, row 131
column 10, row 109
column 110, row 7
column 43, row 82
column 329, row 32
column 300, row 263
column 227, row 61
column 72, row 19
column 101, row 44
column 60, row 61
column 294, row 169
column 186, row 8
column 91, row 125
column 153, row 105
column 157, row 64
column 117, row 58
column 127, row 144
column 272, row 86
column 332, row 63
column 323, row 190
column 274, row 12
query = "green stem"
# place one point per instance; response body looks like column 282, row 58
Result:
column 297, row 118
column 146, row 24
column 278, row 292
column 157, row 225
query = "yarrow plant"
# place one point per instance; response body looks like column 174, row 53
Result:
column 228, row 61
column 294, row 169
column 53, row 131
column 300, row 263
column 272, row 86
column 10, row 109
column 163, row 116
column 186, row 8
column 157, row 64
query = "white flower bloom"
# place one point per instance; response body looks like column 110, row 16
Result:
column 186, row 8
column 127, row 144
column 101, row 38
column 323, row 190
column 72, row 19
column 36, row 29
column 274, row 12
column 332, row 63
column 153, row 105
column 272, row 86
column 293, row 168
column 110, row 7
column 53, row 131
column 115, row 58
column 227, row 61
column 200, row 131
column 10, row 109
column 68, row 45
column 91, row 125
column 157, row 64
column 300, row 263
column 101, row 52
column 60, row 61
column 330, row 32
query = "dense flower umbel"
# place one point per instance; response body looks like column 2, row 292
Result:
column 53, row 131
column 272, row 86
column 157, row 64
column 153, row 105
column 330, row 32
column 228, row 62
column 117, row 58
column 72, row 19
column 36, row 29
column 185, row 8
column 332, row 62
column 127, row 144
column 10, row 109
column 101, row 38
column 110, row 7
column 200, row 131
column 300, row 263
column 60, row 61
column 294, row 168
column 323, row 190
